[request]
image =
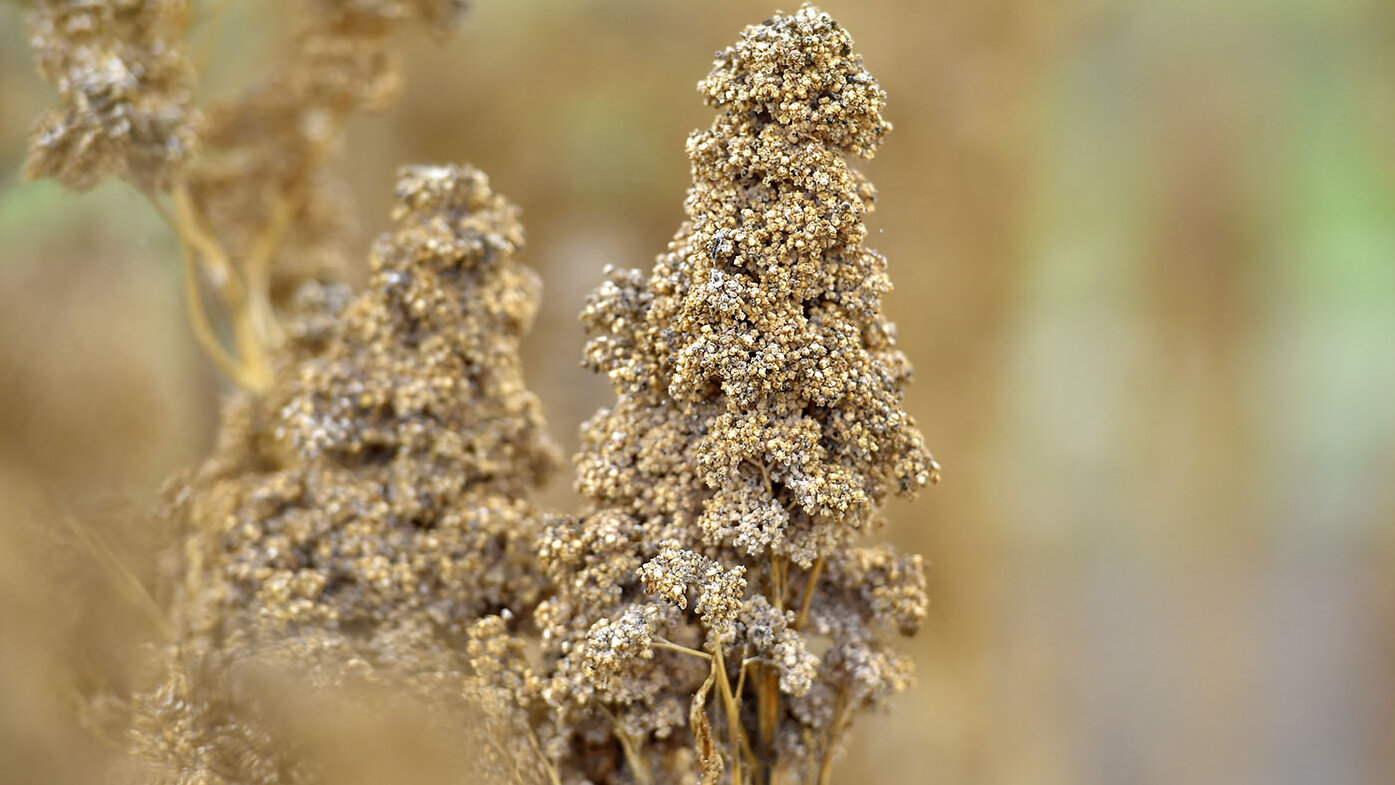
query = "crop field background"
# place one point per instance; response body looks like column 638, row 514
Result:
column 1144, row 266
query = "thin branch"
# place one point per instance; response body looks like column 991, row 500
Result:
column 812, row 773
column 767, row 716
column 190, row 229
column 99, row 549
column 632, row 753
column 777, row 581
column 203, row 330
column 257, row 264
column 552, row 775
column 254, row 369
column 826, row 765
column 663, row 644
column 733, row 709
column 741, row 677
column 809, row 588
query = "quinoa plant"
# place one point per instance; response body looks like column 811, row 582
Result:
column 710, row 615
column 357, row 516
column 710, row 612
column 242, row 183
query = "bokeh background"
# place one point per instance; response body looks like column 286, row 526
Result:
column 1144, row 257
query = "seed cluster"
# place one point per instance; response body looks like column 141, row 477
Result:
column 125, row 82
column 248, row 174
column 369, row 507
column 710, row 612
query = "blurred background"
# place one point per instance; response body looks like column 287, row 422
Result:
column 1144, row 257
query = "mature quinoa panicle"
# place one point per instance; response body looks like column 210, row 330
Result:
column 120, row 68
column 758, row 426
column 382, row 476
column 365, row 511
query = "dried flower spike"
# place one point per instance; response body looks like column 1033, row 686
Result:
column 758, row 426
column 365, row 511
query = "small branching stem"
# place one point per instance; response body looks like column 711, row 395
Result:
column 778, row 573
column 767, row 717
column 741, row 678
column 286, row 205
column 810, row 586
column 134, row 587
column 203, row 329
column 633, row 756
column 553, row 777
column 246, row 302
column 834, row 727
column 248, row 366
column 733, row 710
column 258, row 262
column 671, row 646
column 184, row 220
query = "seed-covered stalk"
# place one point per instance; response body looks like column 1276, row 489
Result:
column 757, row 427
column 358, row 518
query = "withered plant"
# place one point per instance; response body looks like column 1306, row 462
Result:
column 358, row 516
column 363, row 525
column 711, row 613
column 242, row 183
column 365, row 501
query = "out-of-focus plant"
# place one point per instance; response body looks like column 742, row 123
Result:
column 359, row 515
column 242, row 184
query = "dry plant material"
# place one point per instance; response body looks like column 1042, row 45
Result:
column 357, row 518
column 711, row 616
column 242, row 184
column 362, row 527
column 121, row 70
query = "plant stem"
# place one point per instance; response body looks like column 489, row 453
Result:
column 663, row 644
column 552, row 776
column 809, row 588
column 767, row 716
column 826, row 765
column 733, row 710
column 203, row 330
column 250, row 366
column 632, row 755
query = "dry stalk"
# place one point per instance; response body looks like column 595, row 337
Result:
column 810, row 585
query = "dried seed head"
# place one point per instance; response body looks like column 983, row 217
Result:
column 676, row 571
column 758, row 425
column 120, row 69
column 382, row 475
column 374, row 497
column 799, row 71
